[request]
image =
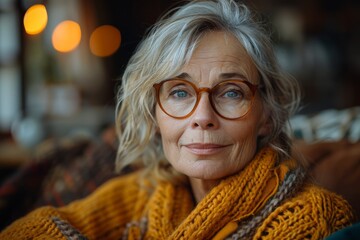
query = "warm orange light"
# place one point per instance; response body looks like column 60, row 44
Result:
column 105, row 40
column 35, row 19
column 66, row 36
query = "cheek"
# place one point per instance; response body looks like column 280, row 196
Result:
column 169, row 131
column 164, row 123
column 245, row 140
column 244, row 133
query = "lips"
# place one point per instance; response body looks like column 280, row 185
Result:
column 204, row 148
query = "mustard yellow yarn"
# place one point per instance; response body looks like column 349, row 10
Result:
column 125, row 208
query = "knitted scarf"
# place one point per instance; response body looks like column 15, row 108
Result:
column 229, row 206
column 256, row 203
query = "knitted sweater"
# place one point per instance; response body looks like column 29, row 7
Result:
column 256, row 203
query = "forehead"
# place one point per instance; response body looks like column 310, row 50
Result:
column 218, row 53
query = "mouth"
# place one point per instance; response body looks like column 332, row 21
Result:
column 204, row 148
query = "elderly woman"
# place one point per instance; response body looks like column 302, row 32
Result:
column 202, row 112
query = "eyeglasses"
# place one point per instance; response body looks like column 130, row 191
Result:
column 230, row 99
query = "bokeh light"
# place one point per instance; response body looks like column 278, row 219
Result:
column 66, row 36
column 35, row 19
column 105, row 40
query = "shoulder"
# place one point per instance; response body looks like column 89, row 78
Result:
column 37, row 224
column 113, row 192
column 313, row 213
column 104, row 211
column 325, row 204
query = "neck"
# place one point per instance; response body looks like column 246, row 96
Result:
column 201, row 188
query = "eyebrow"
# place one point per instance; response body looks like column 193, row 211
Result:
column 222, row 76
column 184, row 76
column 232, row 75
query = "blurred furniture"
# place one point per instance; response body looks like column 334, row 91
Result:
column 12, row 155
column 61, row 171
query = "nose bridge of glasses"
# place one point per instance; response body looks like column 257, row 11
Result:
column 199, row 94
column 203, row 90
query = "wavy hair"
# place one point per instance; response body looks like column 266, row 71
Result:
column 167, row 47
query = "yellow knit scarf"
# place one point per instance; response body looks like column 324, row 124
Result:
column 258, row 203
column 171, row 213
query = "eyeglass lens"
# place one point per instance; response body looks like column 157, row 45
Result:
column 230, row 99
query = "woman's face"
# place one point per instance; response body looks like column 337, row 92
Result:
column 204, row 145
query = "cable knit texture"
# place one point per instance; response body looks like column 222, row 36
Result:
column 264, row 201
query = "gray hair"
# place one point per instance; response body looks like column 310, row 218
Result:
column 167, row 48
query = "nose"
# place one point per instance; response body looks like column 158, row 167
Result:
column 204, row 116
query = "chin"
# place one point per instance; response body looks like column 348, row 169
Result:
column 204, row 174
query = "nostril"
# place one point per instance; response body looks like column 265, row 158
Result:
column 204, row 125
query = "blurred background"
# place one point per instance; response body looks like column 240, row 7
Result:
column 61, row 61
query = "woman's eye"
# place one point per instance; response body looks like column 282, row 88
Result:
column 232, row 94
column 179, row 94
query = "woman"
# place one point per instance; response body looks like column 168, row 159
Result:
column 202, row 111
